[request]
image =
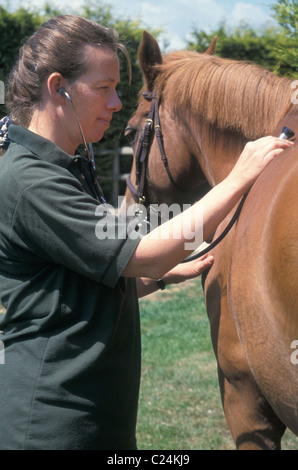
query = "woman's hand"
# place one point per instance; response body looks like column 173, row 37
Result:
column 190, row 270
column 179, row 273
column 254, row 159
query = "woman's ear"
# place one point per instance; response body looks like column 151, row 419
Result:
column 54, row 84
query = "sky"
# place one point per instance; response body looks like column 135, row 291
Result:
column 177, row 18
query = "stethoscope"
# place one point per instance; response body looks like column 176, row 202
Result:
column 88, row 148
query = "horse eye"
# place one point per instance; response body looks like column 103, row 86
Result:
column 131, row 135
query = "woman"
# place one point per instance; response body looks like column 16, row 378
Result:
column 71, row 330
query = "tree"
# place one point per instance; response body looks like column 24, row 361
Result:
column 275, row 48
column 286, row 14
column 241, row 43
column 15, row 28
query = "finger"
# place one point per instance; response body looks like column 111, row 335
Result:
column 265, row 143
column 272, row 154
column 276, row 148
column 204, row 264
column 194, row 268
column 267, row 149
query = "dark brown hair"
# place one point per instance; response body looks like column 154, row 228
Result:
column 55, row 47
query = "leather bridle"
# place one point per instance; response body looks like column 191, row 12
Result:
column 141, row 158
column 152, row 123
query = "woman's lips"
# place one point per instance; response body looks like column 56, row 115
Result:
column 105, row 121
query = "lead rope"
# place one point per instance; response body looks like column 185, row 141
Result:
column 221, row 236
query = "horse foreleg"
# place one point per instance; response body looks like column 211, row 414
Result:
column 252, row 422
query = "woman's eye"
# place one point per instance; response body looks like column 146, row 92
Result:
column 100, row 88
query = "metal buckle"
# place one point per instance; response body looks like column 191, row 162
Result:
column 148, row 121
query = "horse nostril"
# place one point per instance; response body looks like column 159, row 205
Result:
column 128, row 130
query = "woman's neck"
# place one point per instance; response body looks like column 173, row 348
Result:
column 48, row 125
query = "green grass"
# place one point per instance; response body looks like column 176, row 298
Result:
column 180, row 406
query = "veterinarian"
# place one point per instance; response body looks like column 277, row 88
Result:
column 71, row 329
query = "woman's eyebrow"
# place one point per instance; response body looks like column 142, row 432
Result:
column 107, row 80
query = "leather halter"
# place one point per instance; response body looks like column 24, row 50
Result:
column 152, row 123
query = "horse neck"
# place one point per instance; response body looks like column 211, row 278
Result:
column 220, row 113
column 216, row 150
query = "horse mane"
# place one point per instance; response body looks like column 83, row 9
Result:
column 236, row 95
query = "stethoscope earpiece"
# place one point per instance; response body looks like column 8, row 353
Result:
column 61, row 91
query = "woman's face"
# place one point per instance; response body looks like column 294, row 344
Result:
column 94, row 93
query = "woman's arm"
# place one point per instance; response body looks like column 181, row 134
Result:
column 161, row 250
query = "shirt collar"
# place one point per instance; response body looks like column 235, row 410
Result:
column 43, row 148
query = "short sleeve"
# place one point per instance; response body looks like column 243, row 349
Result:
column 60, row 223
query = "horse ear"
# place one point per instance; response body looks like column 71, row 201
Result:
column 149, row 56
column 212, row 47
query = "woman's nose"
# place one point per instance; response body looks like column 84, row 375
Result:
column 115, row 103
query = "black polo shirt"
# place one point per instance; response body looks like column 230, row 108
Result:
column 71, row 335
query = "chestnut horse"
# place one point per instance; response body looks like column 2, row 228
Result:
column 209, row 108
